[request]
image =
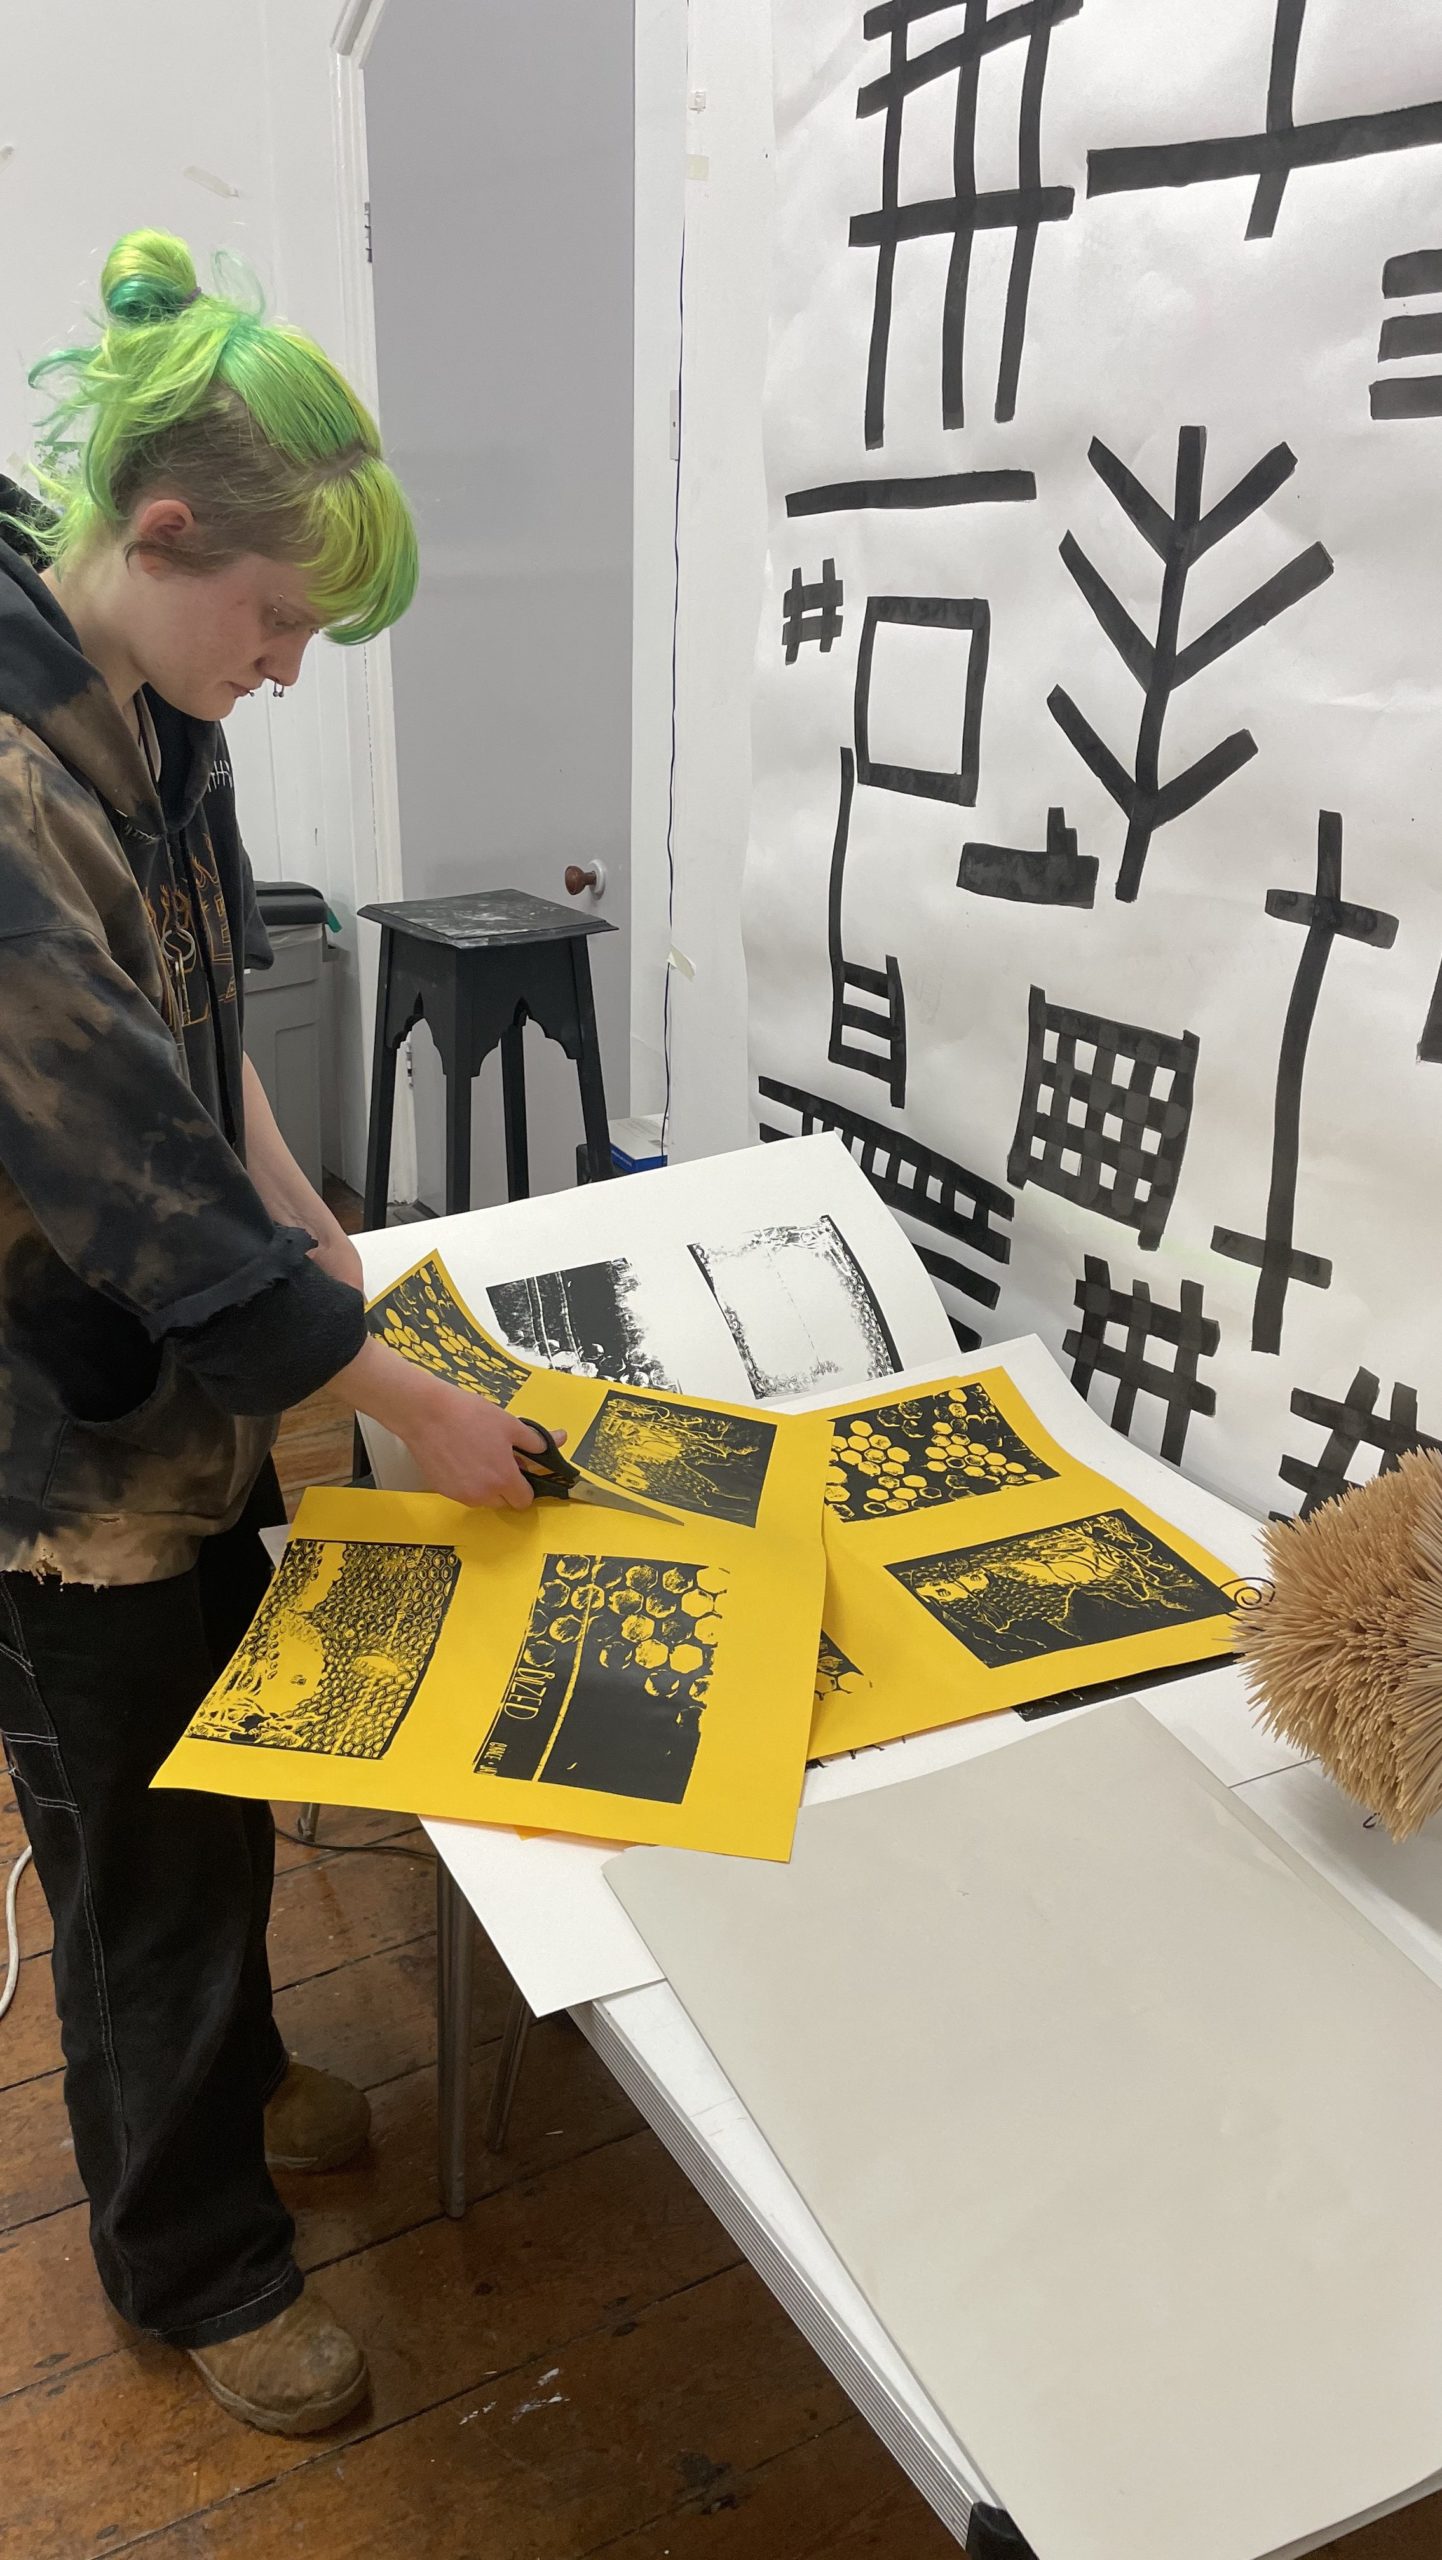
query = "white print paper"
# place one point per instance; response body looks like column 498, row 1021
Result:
column 608, row 1279
column 1156, row 2221
column 798, row 1307
column 1397, row 1883
column 1095, row 884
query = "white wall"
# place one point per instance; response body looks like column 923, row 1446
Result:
column 703, row 146
column 222, row 124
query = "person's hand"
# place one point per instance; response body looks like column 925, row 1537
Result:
column 468, row 1448
column 463, row 1445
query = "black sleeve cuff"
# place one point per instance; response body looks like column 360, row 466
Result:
column 279, row 1346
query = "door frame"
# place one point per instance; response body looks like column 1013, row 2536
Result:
column 374, row 777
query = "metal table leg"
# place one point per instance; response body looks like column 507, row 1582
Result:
column 455, row 1971
column 307, row 1822
column 519, row 2023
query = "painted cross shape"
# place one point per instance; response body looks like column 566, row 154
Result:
column 1271, row 155
column 1325, row 916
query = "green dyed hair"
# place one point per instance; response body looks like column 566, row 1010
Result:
column 193, row 395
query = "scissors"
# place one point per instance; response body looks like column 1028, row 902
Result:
column 552, row 1474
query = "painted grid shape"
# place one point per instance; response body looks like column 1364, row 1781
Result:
column 1021, row 209
column 1105, row 1112
column 1352, row 1423
column 1114, row 1340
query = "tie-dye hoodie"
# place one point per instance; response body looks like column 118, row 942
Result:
column 153, row 1319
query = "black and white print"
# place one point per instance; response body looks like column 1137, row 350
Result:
column 798, row 1307
column 587, row 1320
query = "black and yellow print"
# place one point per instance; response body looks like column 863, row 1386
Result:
column 1079, row 1583
column 694, row 1457
column 837, row 1676
column 424, row 1318
column 340, row 1645
column 926, row 1449
column 612, row 1678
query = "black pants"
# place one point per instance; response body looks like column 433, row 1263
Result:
column 160, row 1903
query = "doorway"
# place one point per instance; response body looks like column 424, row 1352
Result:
column 499, row 139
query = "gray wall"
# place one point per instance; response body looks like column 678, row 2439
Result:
column 500, row 146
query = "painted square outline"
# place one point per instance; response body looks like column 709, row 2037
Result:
column 928, row 613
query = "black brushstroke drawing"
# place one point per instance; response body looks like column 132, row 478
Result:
column 798, row 1307
column 932, row 1190
column 927, row 613
column 951, row 1446
column 1105, row 1112
column 1114, row 1340
column 868, row 1006
column 811, row 612
column 350, row 1627
column 1085, row 1582
column 584, row 1320
column 423, row 1319
column 837, row 1676
column 1056, row 876
column 1429, row 1047
column 685, row 1456
column 1407, row 334
column 1352, row 1423
column 916, row 489
column 1021, row 209
column 1162, row 665
column 1271, row 155
column 1325, row 916
column 612, row 1678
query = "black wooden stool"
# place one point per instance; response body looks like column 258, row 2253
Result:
column 478, row 968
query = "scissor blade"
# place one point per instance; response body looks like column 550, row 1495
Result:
column 609, row 1501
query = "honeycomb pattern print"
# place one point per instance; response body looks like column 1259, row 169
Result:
column 612, row 1679
column 936, row 1448
column 422, row 1318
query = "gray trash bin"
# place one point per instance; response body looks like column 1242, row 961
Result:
column 283, row 1015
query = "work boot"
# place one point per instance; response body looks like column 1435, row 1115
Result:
column 298, row 2374
column 315, row 2120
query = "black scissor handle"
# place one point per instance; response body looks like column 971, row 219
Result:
column 549, row 1470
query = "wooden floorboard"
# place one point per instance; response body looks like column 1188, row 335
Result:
column 577, row 2369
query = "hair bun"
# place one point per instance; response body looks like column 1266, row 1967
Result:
column 148, row 276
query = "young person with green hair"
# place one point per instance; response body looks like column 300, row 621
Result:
column 214, row 495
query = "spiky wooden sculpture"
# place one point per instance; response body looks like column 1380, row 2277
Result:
column 1345, row 1658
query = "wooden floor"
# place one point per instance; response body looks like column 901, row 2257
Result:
column 579, row 2367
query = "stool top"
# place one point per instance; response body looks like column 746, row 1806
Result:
column 483, row 917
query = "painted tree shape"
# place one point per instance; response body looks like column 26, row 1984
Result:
column 1161, row 665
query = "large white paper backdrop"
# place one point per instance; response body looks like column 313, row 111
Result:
column 1150, row 312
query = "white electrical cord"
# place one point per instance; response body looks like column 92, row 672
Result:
column 12, row 1931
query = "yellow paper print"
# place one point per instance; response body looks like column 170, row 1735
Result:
column 973, row 1564
column 565, row 1668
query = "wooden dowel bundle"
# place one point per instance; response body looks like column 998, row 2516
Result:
column 1344, row 1657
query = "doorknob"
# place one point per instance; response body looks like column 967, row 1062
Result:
column 592, row 878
